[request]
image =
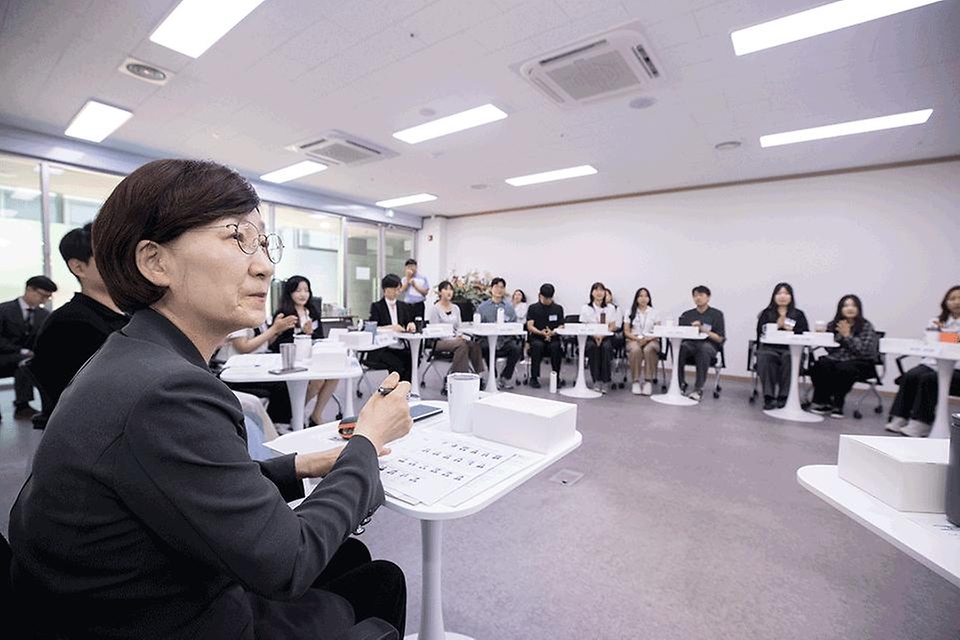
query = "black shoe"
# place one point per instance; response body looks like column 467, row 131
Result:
column 561, row 383
column 769, row 403
column 24, row 412
column 535, row 383
column 820, row 409
column 836, row 412
column 781, row 402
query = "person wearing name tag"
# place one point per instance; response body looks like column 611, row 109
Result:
column 507, row 346
column 701, row 353
column 544, row 317
column 397, row 316
column 643, row 348
column 466, row 352
column 773, row 360
column 599, row 350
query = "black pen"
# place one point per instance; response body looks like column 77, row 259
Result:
column 384, row 391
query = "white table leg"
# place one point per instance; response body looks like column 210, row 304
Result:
column 492, row 367
column 580, row 389
column 793, row 411
column 431, row 599
column 941, row 424
column 298, row 398
column 673, row 395
column 415, row 371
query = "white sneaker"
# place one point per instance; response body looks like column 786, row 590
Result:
column 635, row 389
column 695, row 395
column 647, row 388
column 896, row 424
column 917, row 429
column 506, row 383
column 597, row 387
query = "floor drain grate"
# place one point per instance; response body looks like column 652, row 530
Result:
column 566, row 477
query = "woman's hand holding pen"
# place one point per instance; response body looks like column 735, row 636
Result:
column 386, row 416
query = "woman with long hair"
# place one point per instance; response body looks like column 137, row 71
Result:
column 834, row 374
column 599, row 350
column 643, row 348
column 773, row 360
column 914, row 408
column 466, row 352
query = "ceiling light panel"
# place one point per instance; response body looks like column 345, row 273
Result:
column 405, row 200
column 96, row 121
column 550, row 176
column 451, row 124
column 294, row 171
column 817, row 21
column 847, row 128
column 195, row 25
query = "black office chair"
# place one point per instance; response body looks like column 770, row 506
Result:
column 873, row 380
column 570, row 346
column 432, row 355
column 719, row 364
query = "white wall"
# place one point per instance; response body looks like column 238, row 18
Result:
column 890, row 236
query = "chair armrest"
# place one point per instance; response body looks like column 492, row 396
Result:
column 900, row 360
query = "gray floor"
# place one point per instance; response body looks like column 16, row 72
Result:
column 688, row 523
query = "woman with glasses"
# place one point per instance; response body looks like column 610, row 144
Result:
column 296, row 299
column 144, row 516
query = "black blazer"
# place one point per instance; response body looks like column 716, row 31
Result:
column 15, row 334
column 381, row 313
column 144, row 516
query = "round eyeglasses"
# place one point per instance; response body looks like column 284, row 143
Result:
column 249, row 239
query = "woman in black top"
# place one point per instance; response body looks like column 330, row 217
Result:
column 773, row 360
column 834, row 374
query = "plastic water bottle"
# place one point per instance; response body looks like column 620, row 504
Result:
column 553, row 382
column 500, row 315
column 477, row 318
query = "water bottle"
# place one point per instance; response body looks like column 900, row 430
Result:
column 477, row 318
column 500, row 315
column 932, row 334
column 553, row 382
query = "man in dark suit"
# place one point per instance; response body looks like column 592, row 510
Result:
column 396, row 315
column 76, row 330
column 20, row 320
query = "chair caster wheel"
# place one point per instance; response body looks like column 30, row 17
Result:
column 716, row 394
column 443, row 391
column 422, row 384
column 339, row 416
column 878, row 409
column 359, row 393
column 857, row 414
column 752, row 400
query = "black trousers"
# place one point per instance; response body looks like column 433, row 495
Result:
column 773, row 369
column 917, row 397
column 539, row 347
column 833, row 379
column 279, row 406
column 507, row 348
column 392, row 360
column 372, row 588
column 600, row 356
column 22, row 386
column 701, row 353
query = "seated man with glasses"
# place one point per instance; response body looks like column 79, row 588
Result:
column 20, row 320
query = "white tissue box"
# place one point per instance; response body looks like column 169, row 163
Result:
column 329, row 356
column 906, row 473
column 357, row 338
column 530, row 423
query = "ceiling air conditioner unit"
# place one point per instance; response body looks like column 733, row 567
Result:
column 341, row 149
column 601, row 66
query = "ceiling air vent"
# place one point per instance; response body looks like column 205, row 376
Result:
column 343, row 149
column 602, row 66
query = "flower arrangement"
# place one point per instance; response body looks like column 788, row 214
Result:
column 471, row 286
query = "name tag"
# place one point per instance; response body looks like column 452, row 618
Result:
column 552, row 318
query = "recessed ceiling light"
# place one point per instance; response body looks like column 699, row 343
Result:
column 817, row 21
column 294, row 171
column 144, row 71
column 451, row 124
column 96, row 121
column 195, row 25
column 847, row 128
column 550, row 176
column 405, row 200
column 729, row 145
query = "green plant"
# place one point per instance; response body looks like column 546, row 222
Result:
column 471, row 286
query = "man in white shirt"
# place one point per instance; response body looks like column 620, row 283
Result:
column 414, row 288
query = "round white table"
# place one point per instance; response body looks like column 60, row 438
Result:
column 256, row 367
column 946, row 355
column 582, row 331
column 796, row 341
column 493, row 330
column 676, row 335
column 414, row 340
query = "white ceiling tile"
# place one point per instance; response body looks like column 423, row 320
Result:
column 611, row 15
column 583, row 8
column 322, row 41
column 443, row 19
column 674, row 31
column 369, row 17
column 520, row 23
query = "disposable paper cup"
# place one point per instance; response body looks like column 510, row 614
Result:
column 820, row 326
column 463, row 389
column 303, row 346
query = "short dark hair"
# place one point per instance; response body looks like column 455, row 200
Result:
column 547, row 290
column 701, row 288
column 446, row 284
column 497, row 281
column 76, row 244
column 409, row 262
column 42, row 282
column 390, row 281
column 161, row 201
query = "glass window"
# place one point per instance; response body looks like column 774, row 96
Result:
column 398, row 247
column 311, row 248
column 362, row 256
column 21, row 233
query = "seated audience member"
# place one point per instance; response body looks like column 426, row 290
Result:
column 397, row 315
column 914, row 408
column 507, row 346
column 701, row 353
column 519, row 303
column 599, row 350
column 466, row 352
column 75, row 331
column 834, row 374
column 20, row 320
column 414, row 288
column 643, row 348
column 544, row 317
column 618, row 340
column 143, row 515
column 296, row 299
column 773, row 360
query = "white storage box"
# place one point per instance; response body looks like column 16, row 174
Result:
column 909, row 474
column 356, row 338
column 329, row 356
column 530, row 423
